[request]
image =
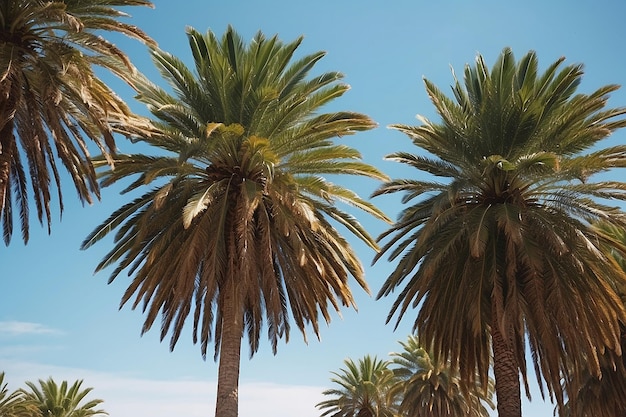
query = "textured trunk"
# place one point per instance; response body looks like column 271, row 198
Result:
column 227, row 404
column 506, row 372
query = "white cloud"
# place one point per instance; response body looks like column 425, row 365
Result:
column 130, row 396
column 15, row 328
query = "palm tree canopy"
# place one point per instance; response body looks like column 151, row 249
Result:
column 8, row 400
column 51, row 101
column 53, row 400
column 239, row 193
column 428, row 387
column 505, row 230
column 363, row 390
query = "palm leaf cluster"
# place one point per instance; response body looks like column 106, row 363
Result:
column 49, row 399
column 413, row 383
column 8, row 400
column 429, row 387
column 603, row 395
column 515, row 186
column 598, row 396
column 61, row 400
column 52, row 103
column 363, row 390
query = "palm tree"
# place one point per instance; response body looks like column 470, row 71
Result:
column 363, row 391
column 237, row 226
column 431, row 388
column 52, row 102
column 501, row 252
column 8, row 401
column 54, row 400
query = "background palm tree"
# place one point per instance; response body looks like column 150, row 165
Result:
column 603, row 395
column 431, row 388
column 51, row 100
column 52, row 400
column 501, row 251
column 8, row 400
column 598, row 396
column 237, row 226
column 364, row 390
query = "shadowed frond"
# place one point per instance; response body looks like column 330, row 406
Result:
column 426, row 386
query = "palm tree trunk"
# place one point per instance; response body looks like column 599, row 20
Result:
column 227, row 404
column 506, row 372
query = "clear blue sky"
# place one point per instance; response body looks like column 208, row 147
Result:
column 59, row 319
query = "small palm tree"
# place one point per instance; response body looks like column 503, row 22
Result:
column 8, row 401
column 499, row 253
column 364, row 390
column 430, row 388
column 52, row 400
column 51, row 100
column 238, row 226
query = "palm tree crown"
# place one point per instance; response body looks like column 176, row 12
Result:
column 432, row 388
column 237, row 226
column 51, row 100
column 502, row 252
column 53, row 400
column 363, row 390
column 9, row 401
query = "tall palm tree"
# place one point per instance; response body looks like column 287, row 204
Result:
column 238, row 224
column 431, row 388
column 53, row 400
column 52, row 102
column 500, row 251
column 363, row 391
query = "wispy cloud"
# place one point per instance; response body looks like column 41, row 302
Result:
column 129, row 396
column 18, row 328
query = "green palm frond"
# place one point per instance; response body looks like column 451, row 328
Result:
column 52, row 399
column 11, row 403
column 363, row 390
